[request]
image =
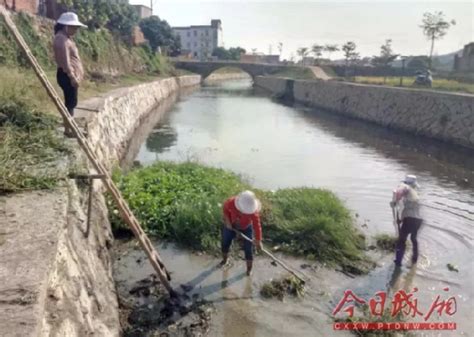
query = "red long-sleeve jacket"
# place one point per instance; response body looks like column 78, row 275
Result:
column 241, row 220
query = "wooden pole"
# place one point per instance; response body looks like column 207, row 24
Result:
column 273, row 257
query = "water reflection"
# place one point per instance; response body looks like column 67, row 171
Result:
column 161, row 139
column 446, row 162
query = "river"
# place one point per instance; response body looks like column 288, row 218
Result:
column 273, row 145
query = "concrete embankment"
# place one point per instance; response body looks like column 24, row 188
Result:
column 55, row 281
column 445, row 116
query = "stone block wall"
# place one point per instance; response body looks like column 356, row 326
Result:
column 444, row 116
column 121, row 111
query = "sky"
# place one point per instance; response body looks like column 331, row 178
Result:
column 263, row 24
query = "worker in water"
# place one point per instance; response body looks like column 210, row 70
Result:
column 241, row 214
column 70, row 71
column 406, row 197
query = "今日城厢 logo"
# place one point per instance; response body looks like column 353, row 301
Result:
column 402, row 305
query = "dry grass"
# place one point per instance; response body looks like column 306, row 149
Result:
column 438, row 83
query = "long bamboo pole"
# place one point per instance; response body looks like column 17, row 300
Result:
column 124, row 209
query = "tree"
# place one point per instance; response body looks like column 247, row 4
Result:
column 387, row 56
column 330, row 48
column 349, row 52
column 317, row 51
column 98, row 14
column 254, row 51
column 280, row 48
column 159, row 34
column 235, row 52
column 302, row 52
column 122, row 18
column 221, row 53
column 419, row 62
column 434, row 28
column 231, row 54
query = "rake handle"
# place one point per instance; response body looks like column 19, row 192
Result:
column 273, row 257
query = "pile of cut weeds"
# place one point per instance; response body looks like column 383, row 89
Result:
column 31, row 148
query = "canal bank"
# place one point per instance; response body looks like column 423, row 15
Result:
column 359, row 161
column 56, row 279
column 444, row 116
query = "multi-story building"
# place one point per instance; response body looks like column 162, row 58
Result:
column 143, row 11
column 200, row 41
column 465, row 62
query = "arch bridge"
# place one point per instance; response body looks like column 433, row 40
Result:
column 206, row 68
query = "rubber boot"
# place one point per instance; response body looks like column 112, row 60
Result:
column 225, row 258
column 249, row 267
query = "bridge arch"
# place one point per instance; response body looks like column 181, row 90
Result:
column 231, row 69
column 206, row 68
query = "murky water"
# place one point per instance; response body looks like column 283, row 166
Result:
column 274, row 146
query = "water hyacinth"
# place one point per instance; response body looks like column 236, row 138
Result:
column 186, row 207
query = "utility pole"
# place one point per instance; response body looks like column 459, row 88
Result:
column 151, row 6
column 403, row 70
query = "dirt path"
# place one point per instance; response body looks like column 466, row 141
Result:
column 28, row 241
column 319, row 73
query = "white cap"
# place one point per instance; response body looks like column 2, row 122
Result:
column 411, row 180
column 70, row 19
column 247, row 203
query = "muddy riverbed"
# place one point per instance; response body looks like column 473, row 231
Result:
column 273, row 146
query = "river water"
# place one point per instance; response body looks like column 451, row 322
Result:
column 272, row 145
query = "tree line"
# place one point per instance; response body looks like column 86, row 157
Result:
column 434, row 27
column 121, row 18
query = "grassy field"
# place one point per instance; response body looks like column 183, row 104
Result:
column 183, row 203
column 22, row 84
column 438, row 83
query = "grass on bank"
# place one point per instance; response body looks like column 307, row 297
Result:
column 30, row 148
column 24, row 86
column 438, row 83
column 183, row 203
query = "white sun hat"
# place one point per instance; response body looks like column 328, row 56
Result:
column 247, row 203
column 70, row 19
column 411, row 180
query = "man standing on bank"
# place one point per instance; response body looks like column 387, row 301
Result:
column 70, row 71
column 241, row 213
column 406, row 195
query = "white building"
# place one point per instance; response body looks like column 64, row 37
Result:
column 200, row 41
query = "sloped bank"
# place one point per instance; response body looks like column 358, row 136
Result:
column 55, row 281
column 445, row 116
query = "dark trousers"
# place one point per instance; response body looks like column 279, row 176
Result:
column 228, row 236
column 70, row 92
column 410, row 226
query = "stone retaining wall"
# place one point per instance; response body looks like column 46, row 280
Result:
column 121, row 111
column 444, row 116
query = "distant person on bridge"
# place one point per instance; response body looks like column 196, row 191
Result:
column 70, row 71
column 241, row 214
column 406, row 197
